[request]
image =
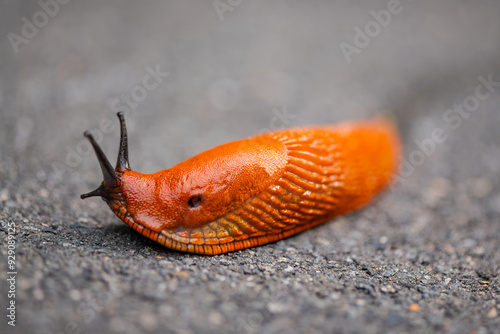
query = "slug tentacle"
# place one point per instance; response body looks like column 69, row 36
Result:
column 122, row 163
column 253, row 191
column 110, row 188
column 107, row 170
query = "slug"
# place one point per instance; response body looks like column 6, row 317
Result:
column 253, row 191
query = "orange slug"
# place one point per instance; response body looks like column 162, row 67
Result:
column 253, row 191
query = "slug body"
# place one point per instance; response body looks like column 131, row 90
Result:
column 253, row 191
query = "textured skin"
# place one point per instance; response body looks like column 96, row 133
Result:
column 260, row 189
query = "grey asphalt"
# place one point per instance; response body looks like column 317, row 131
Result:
column 424, row 257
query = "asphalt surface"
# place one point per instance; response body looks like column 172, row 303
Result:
column 424, row 257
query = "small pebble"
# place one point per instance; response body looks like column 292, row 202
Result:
column 439, row 188
column 43, row 193
column 388, row 273
column 38, row 294
column 388, row 289
column 49, row 230
column 492, row 313
column 4, row 195
column 481, row 187
column 216, row 318
column 182, row 274
column 277, row 307
column 148, row 321
column 75, row 295
column 414, row 308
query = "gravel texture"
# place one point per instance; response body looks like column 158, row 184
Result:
column 422, row 258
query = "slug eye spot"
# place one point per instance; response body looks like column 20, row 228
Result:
column 194, row 201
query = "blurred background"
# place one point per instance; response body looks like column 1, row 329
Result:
column 223, row 69
column 194, row 74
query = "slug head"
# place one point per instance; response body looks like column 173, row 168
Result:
column 110, row 188
column 200, row 190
